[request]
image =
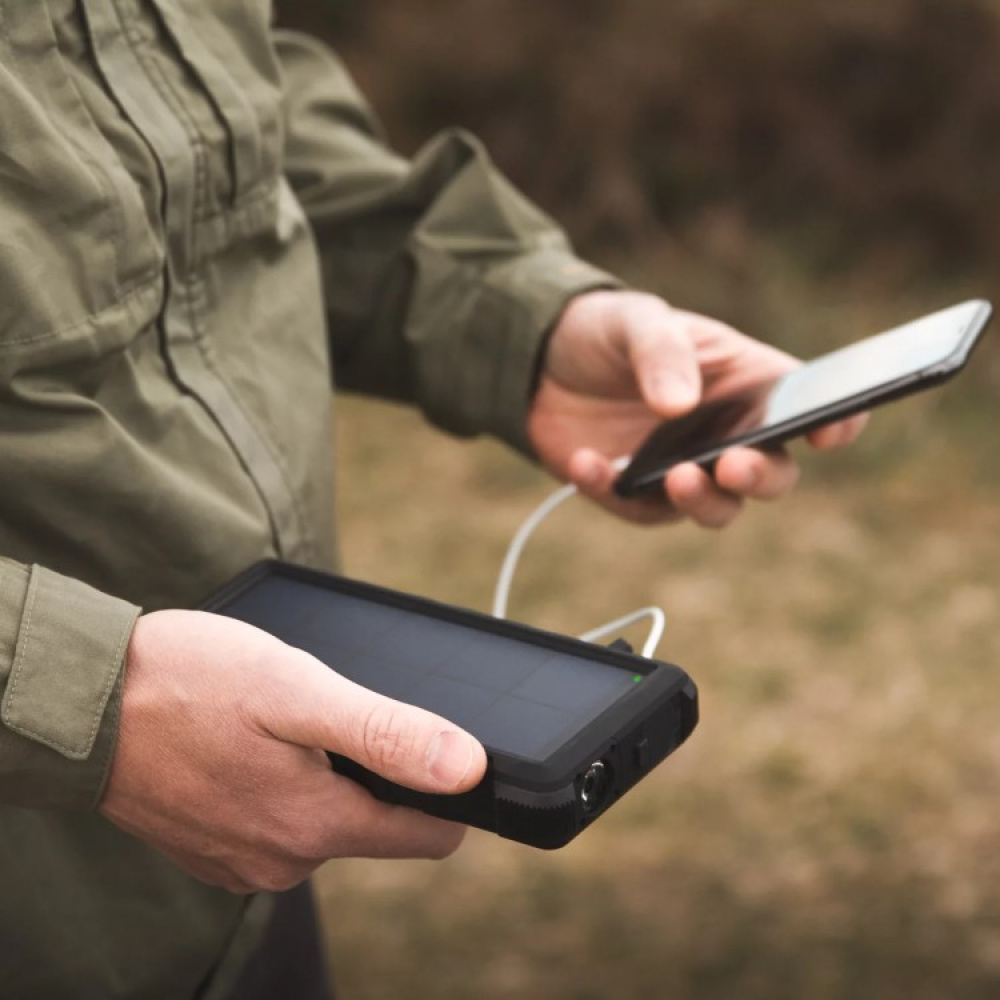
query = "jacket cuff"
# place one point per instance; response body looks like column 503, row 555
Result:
column 62, row 649
column 486, row 383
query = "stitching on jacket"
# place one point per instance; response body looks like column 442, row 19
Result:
column 74, row 752
column 19, row 656
column 113, row 711
column 190, row 277
column 141, row 286
column 109, row 683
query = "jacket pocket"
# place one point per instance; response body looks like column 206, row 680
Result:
column 78, row 269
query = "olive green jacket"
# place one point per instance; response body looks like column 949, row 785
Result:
column 201, row 230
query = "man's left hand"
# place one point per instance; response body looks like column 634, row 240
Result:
column 620, row 362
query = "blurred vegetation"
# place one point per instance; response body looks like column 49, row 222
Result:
column 811, row 172
column 863, row 137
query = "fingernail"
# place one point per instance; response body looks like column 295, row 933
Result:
column 449, row 757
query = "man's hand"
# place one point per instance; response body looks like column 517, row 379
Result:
column 617, row 364
column 219, row 762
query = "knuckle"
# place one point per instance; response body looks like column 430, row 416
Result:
column 234, row 885
column 278, row 877
column 386, row 741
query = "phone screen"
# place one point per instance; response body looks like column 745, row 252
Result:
column 515, row 697
column 853, row 373
column 866, row 365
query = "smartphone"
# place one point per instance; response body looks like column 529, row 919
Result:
column 864, row 375
column 568, row 726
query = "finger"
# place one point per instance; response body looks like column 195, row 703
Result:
column 839, row 434
column 662, row 353
column 362, row 826
column 319, row 708
column 594, row 476
column 693, row 492
column 209, row 871
column 340, row 818
column 759, row 475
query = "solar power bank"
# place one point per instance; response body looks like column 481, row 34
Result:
column 568, row 726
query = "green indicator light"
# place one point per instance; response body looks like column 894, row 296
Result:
column 636, row 678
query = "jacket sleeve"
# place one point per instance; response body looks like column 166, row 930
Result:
column 62, row 647
column 441, row 280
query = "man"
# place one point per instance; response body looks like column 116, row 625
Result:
column 195, row 217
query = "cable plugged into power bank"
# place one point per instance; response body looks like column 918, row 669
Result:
column 501, row 594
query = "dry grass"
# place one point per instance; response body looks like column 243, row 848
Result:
column 831, row 829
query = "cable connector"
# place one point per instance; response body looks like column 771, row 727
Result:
column 621, row 645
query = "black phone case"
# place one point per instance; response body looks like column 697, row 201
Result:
column 644, row 474
column 544, row 804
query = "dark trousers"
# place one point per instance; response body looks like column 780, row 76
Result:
column 289, row 963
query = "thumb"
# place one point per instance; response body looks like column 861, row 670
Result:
column 401, row 742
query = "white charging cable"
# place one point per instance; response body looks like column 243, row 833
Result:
column 518, row 542
column 501, row 594
column 655, row 630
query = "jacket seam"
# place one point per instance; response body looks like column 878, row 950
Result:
column 201, row 179
column 193, row 234
column 272, row 451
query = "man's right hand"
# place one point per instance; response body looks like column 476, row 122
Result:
column 220, row 761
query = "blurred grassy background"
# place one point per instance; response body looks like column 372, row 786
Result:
column 811, row 173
